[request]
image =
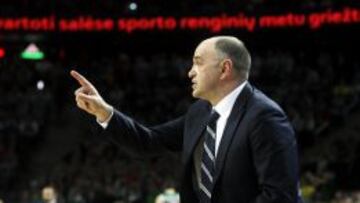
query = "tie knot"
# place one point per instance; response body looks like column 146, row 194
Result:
column 214, row 116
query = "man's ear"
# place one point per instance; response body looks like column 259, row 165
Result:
column 226, row 69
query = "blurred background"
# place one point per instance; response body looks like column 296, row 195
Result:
column 46, row 142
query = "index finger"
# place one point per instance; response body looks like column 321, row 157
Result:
column 81, row 79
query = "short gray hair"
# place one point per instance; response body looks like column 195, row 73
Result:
column 235, row 50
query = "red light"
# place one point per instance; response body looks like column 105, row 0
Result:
column 2, row 53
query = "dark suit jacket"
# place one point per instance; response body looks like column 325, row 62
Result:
column 257, row 157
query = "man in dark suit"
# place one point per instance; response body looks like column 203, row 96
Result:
column 237, row 144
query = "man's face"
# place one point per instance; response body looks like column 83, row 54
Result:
column 48, row 194
column 205, row 71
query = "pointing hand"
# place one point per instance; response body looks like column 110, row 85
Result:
column 88, row 99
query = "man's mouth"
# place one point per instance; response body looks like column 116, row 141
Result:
column 193, row 85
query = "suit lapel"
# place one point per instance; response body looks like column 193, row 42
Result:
column 195, row 132
column 234, row 119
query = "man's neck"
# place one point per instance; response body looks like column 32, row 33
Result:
column 225, row 90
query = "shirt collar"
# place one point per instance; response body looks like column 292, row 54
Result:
column 225, row 105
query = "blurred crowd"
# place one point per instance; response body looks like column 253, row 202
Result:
column 318, row 89
column 25, row 111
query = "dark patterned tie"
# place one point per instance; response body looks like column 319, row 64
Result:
column 208, row 159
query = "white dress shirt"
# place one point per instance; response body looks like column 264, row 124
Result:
column 224, row 108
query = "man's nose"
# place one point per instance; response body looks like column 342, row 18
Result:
column 191, row 73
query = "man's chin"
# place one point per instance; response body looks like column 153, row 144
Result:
column 196, row 94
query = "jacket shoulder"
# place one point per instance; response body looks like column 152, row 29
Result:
column 261, row 103
column 199, row 106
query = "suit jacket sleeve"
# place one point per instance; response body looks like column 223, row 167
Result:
column 126, row 131
column 275, row 158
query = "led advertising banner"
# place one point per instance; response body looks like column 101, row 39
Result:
column 312, row 21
